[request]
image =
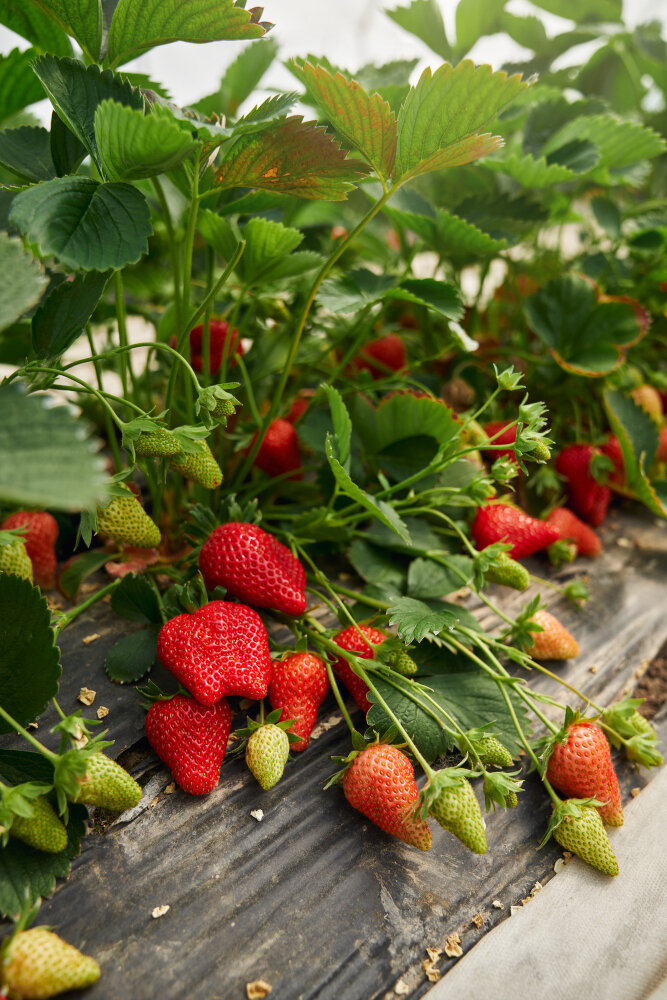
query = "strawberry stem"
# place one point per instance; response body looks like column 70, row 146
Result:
column 44, row 751
column 68, row 617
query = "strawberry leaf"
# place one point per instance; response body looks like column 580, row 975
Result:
column 18, row 86
column 135, row 599
column 23, row 280
column 638, row 438
column 82, row 19
column 132, row 145
column 341, row 423
column 423, row 19
column 364, row 120
column 38, row 28
column 132, row 656
column 449, row 235
column 441, row 120
column 26, row 152
column 62, row 316
column 294, row 157
column 415, row 620
column 428, row 579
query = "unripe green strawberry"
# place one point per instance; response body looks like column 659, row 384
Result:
column 266, row 754
column 402, row 662
column 457, row 809
column 108, row 785
column 199, row 466
column 582, row 831
column 509, row 573
column 512, row 800
column 14, row 558
column 43, row 830
column 491, row 751
column 159, row 443
column 126, row 521
column 38, row 964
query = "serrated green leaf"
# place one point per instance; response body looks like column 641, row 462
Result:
column 82, row 19
column 26, row 152
column 15, row 344
column 375, row 566
column 18, row 86
column 62, row 316
column 217, row 231
column 341, row 423
column 267, row 243
column 29, row 657
column 132, row 146
column 76, row 90
column 638, row 437
column 139, row 25
column 240, row 79
column 415, row 619
column 449, row 235
column 530, row 172
column 422, row 538
column 441, row 120
column 400, row 417
column 619, row 143
column 22, row 280
column 84, row 224
column 31, row 23
column 475, row 18
column 135, row 599
column 423, row 19
column 360, row 287
column 527, row 31
column 46, row 460
column 76, row 572
column 428, row 579
column 132, row 656
column 67, row 151
column 295, row 157
column 585, row 336
column 294, row 264
column 439, row 296
column 364, row 120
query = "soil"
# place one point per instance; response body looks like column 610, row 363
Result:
column 653, row 685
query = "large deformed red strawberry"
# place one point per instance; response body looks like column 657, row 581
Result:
column 220, row 649
column 254, row 566
column 191, row 739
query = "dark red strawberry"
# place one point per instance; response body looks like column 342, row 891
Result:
column 191, row 739
column 223, row 343
column 589, row 498
column 218, row 650
column 299, row 685
column 499, row 522
column 580, row 766
column 279, row 451
column 254, row 566
column 39, row 540
column 358, row 639
column 570, row 528
column 612, row 449
column 661, row 453
column 299, row 405
column 502, row 432
column 382, row 356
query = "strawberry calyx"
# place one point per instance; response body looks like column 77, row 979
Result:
column 151, row 693
column 562, row 552
column 241, row 736
column 16, row 801
column 215, row 403
column 440, row 781
column 567, row 809
column 361, row 742
column 624, row 724
column 501, row 788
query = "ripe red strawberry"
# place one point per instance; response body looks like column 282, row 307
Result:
column 39, row 964
column 588, row 497
column 222, row 342
column 108, row 785
column 358, row 639
column 279, row 451
column 570, row 528
column 580, row 766
column 612, row 449
column 255, row 567
column 581, row 831
column 191, row 739
column 299, row 406
column 382, row 356
column 502, row 432
column 299, row 685
column 661, row 453
column 220, row 649
column 381, row 784
column 39, row 541
column 554, row 642
column 500, row 523
column 266, row 754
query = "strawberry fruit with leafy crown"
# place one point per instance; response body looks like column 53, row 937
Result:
column 191, row 739
column 382, row 356
column 498, row 522
column 266, row 753
column 570, row 528
column 508, row 573
column 223, row 342
column 159, row 443
column 580, row 766
column 43, row 830
column 380, row 783
column 299, row 685
column 358, row 639
column 40, row 543
column 37, row 964
column 13, row 556
column 107, row 785
column 577, row 826
column 221, row 649
column 279, row 452
column 126, row 521
column 554, row 642
column 200, row 465
column 450, row 799
column 254, row 566
column 589, row 498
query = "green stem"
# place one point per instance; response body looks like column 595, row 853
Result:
column 68, row 617
column 111, row 433
column 529, row 749
column 27, row 736
column 173, row 250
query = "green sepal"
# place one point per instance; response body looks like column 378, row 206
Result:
column 501, row 787
column 150, row 693
column 16, row 801
column 448, row 777
column 562, row 552
column 569, row 807
column 215, row 403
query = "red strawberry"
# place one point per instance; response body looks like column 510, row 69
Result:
column 299, row 685
column 382, row 356
column 661, row 453
column 358, row 639
column 580, row 766
column 612, row 449
column 502, row 432
column 39, row 540
column 554, row 642
column 279, row 451
column 299, row 405
column 191, row 739
column 570, row 528
column 588, row 497
column 255, row 567
column 501, row 523
column 381, row 784
column 222, row 342
column 219, row 650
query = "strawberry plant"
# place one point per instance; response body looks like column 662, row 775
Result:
column 278, row 414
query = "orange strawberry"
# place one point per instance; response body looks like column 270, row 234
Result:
column 554, row 642
column 570, row 528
